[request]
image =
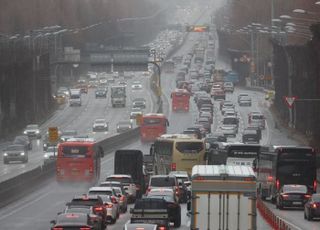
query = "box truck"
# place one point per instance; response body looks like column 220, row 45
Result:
column 223, row 197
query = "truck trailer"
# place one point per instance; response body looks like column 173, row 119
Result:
column 223, row 197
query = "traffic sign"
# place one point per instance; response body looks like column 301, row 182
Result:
column 53, row 134
column 290, row 100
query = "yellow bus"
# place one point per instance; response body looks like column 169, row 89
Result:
column 177, row 152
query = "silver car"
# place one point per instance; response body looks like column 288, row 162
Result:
column 15, row 153
column 32, row 130
column 228, row 130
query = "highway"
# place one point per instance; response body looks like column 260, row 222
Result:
column 34, row 211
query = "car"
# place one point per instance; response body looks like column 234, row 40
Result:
column 134, row 112
column 192, row 133
column 50, row 155
column 139, row 103
column 32, row 131
column 94, row 201
column 231, row 121
column 292, row 195
column 205, row 122
column 122, row 199
column 15, row 153
column 136, row 85
column 230, row 113
column 312, row 207
column 226, row 105
column 128, row 184
column 213, row 138
column 116, row 185
column 250, row 136
column 23, row 140
column 182, row 177
column 112, row 208
column 228, row 130
column 98, row 222
column 100, row 125
column 101, row 92
column 123, row 83
column 245, row 101
column 140, row 226
column 72, row 221
column 63, row 90
column 163, row 181
column 67, row 134
column 124, row 126
column 257, row 119
column 173, row 206
column 228, row 87
column 207, row 115
column 242, row 95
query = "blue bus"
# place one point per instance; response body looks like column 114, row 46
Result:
column 231, row 77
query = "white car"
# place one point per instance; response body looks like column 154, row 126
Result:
column 50, row 155
column 100, row 125
column 136, row 85
column 128, row 184
column 109, row 198
column 32, row 130
column 134, row 112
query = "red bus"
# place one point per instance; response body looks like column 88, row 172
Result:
column 180, row 100
column 79, row 160
column 153, row 125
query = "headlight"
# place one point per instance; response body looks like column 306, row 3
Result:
column 37, row 131
column 5, row 154
column 25, row 132
column 45, row 145
column 46, row 156
column 22, row 154
column 118, row 127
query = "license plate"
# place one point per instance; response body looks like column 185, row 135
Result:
column 74, row 173
column 296, row 203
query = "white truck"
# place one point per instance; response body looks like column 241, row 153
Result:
column 223, row 197
column 118, row 96
column 75, row 97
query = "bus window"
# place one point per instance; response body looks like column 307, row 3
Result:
column 151, row 121
column 189, row 147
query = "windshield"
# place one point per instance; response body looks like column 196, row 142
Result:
column 230, row 121
column 189, row 147
column 123, row 180
column 74, row 96
column 15, row 148
column 32, row 127
column 104, row 193
column 163, row 182
column 151, row 121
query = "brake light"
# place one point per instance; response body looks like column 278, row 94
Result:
column 315, row 185
column 307, row 196
column 277, row 184
column 122, row 198
column 173, row 166
column 85, row 228
column 314, row 205
column 162, row 228
column 284, row 195
column 98, row 209
column 177, row 190
column 270, row 178
column 90, row 170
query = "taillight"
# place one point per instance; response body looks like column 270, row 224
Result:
column 85, row 228
column 284, row 196
column 314, row 205
column 162, row 228
column 98, row 209
column 307, row 196
column 122, row 198
column 113, row 200
column 137, row 187
column 277, row 184
column 315, row 185
column 57, row 228
column 173, row 166
column 270, row 178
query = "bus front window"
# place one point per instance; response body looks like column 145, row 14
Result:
column 75, row 151
column 189, row 147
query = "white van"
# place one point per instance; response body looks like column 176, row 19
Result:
column 257, row 119
column 75, row 97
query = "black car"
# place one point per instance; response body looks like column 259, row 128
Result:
column 23, row 140
column 76, row 221
column 292, row 195
column 312, row 207
column 101, row 93
column 214, row 138
column 173, row 206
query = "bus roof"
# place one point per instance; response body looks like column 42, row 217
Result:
column 181, row 91
column 176, row 136
column 221, row 171
column 73, row 141
column 275, row 147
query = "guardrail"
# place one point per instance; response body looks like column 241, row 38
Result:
column 276, row 222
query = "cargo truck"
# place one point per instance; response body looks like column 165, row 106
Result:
column 223, row 197
column 118, row 96
column 130, row 161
